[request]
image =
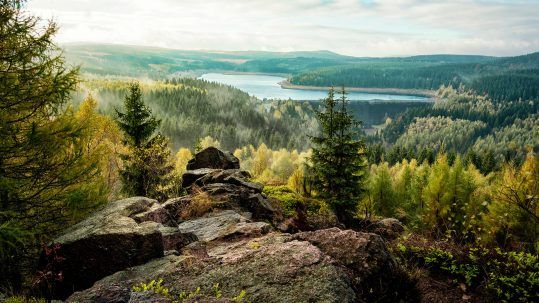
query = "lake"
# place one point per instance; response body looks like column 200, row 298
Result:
column 267, row 87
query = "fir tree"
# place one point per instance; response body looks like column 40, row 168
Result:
column 148, row 168
column 338, row 161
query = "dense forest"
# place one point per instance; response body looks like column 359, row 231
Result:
column 462, row 122
column 190, row 109
column 461, row 175
column 501, row 79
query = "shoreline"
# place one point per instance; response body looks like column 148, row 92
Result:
column 374, row 90
column 254, row 74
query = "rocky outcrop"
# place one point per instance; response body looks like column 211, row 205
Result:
column 212, row 157
column 112, row 240
column 323, row 266
column 273, row 268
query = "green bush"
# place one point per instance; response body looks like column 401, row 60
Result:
column 507, row 276
column 289, row 199
column 514, row 277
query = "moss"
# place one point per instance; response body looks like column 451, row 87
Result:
column 289, row 199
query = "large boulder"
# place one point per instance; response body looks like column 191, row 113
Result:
column 364, row 253
column 231, row 196
column 212, row 157
column 111, row 240
column 370, row 266
column 270, row 269
column 323, row 266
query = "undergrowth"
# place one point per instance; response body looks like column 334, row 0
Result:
column 506, row 276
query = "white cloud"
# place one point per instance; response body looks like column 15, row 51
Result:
column 354, row 27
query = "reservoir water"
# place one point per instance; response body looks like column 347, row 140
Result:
column 267, row 87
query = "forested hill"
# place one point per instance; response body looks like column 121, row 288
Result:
column 500, row 78
column 154, row 62
column 190, row 109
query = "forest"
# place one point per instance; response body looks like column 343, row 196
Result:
column 500, row 79
column 460, row 174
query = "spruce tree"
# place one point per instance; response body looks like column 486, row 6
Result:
column 148, row 168
column 338, row 159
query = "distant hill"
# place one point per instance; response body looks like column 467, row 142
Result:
column 155, row 62
column 143, row 61
column 502, row 78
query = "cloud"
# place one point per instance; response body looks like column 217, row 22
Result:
column 353, row 27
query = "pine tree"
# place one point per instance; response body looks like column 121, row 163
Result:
column 148, row 168
column 338, row 159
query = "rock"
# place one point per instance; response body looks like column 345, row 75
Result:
column 238, row 197
column 204, row 176
column 117, row 288
column 212, row 157
column 364, row 253
column 230, row 176
column 156, row 213
column 168, row 213
column 111, row 240
column 273, row 268
column 190, row 176
column 222, row 225
column 369, row 264
column 148, row 297
column 174, row 239
column 389, row 228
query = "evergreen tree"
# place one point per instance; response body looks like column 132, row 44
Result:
column 338, row 159
column 48, row 179
column 137, row 121
column 148, row 168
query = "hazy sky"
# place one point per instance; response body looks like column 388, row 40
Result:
column 352, row 27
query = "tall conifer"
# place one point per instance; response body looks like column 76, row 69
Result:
column 148, row 168
column 338, row 159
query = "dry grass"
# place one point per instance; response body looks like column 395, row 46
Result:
column 200, row 204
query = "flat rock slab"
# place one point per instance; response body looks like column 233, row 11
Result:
column 223, row 224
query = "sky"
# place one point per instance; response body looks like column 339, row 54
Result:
column 351, row 27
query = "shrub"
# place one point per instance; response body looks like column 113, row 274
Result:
column 514, row 277
column 507, row 276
